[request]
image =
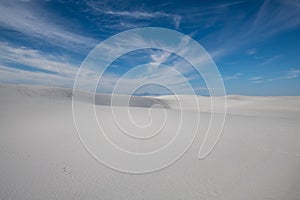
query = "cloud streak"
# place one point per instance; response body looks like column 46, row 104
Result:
column 36, row 59
column 56, row 70
column 271, row 18
column 232, row 77
column 137, row 14
column 286, row 75
column 37, row 23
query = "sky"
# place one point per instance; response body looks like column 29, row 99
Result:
column 254, row 44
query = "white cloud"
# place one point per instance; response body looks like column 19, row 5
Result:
column 159, row 58
column 37, row 23
column 287, row 75
column 137, row 14
column 20, row 76
column 36, row 59
column 272, row 17
column 234, row 76
column 163, row 76
column 229, row 4
column 63, row 73
column 293, row 73
column 257, row 79
column 290, row 74
column 252, row 52
column 48, row 69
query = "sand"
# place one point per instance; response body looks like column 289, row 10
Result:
column 42, row 157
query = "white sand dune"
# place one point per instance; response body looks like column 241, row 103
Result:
column 42, row 157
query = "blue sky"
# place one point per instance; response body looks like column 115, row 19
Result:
column 255, row 44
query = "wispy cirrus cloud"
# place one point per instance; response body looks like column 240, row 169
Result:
column 41, row 38
column 228, row 4
column 51, row 69
column 290, row 74
column 165, row 76
column 274, row 17
column 257, row 79
column 234, row 76
column 266, row 61
column 134, row 14
column 21, row 76
column 293, row 73
column 285, row 75
column 34, row 22
column 46, row 69
column 271, row 18
column 36, row 59
column 251, row 52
